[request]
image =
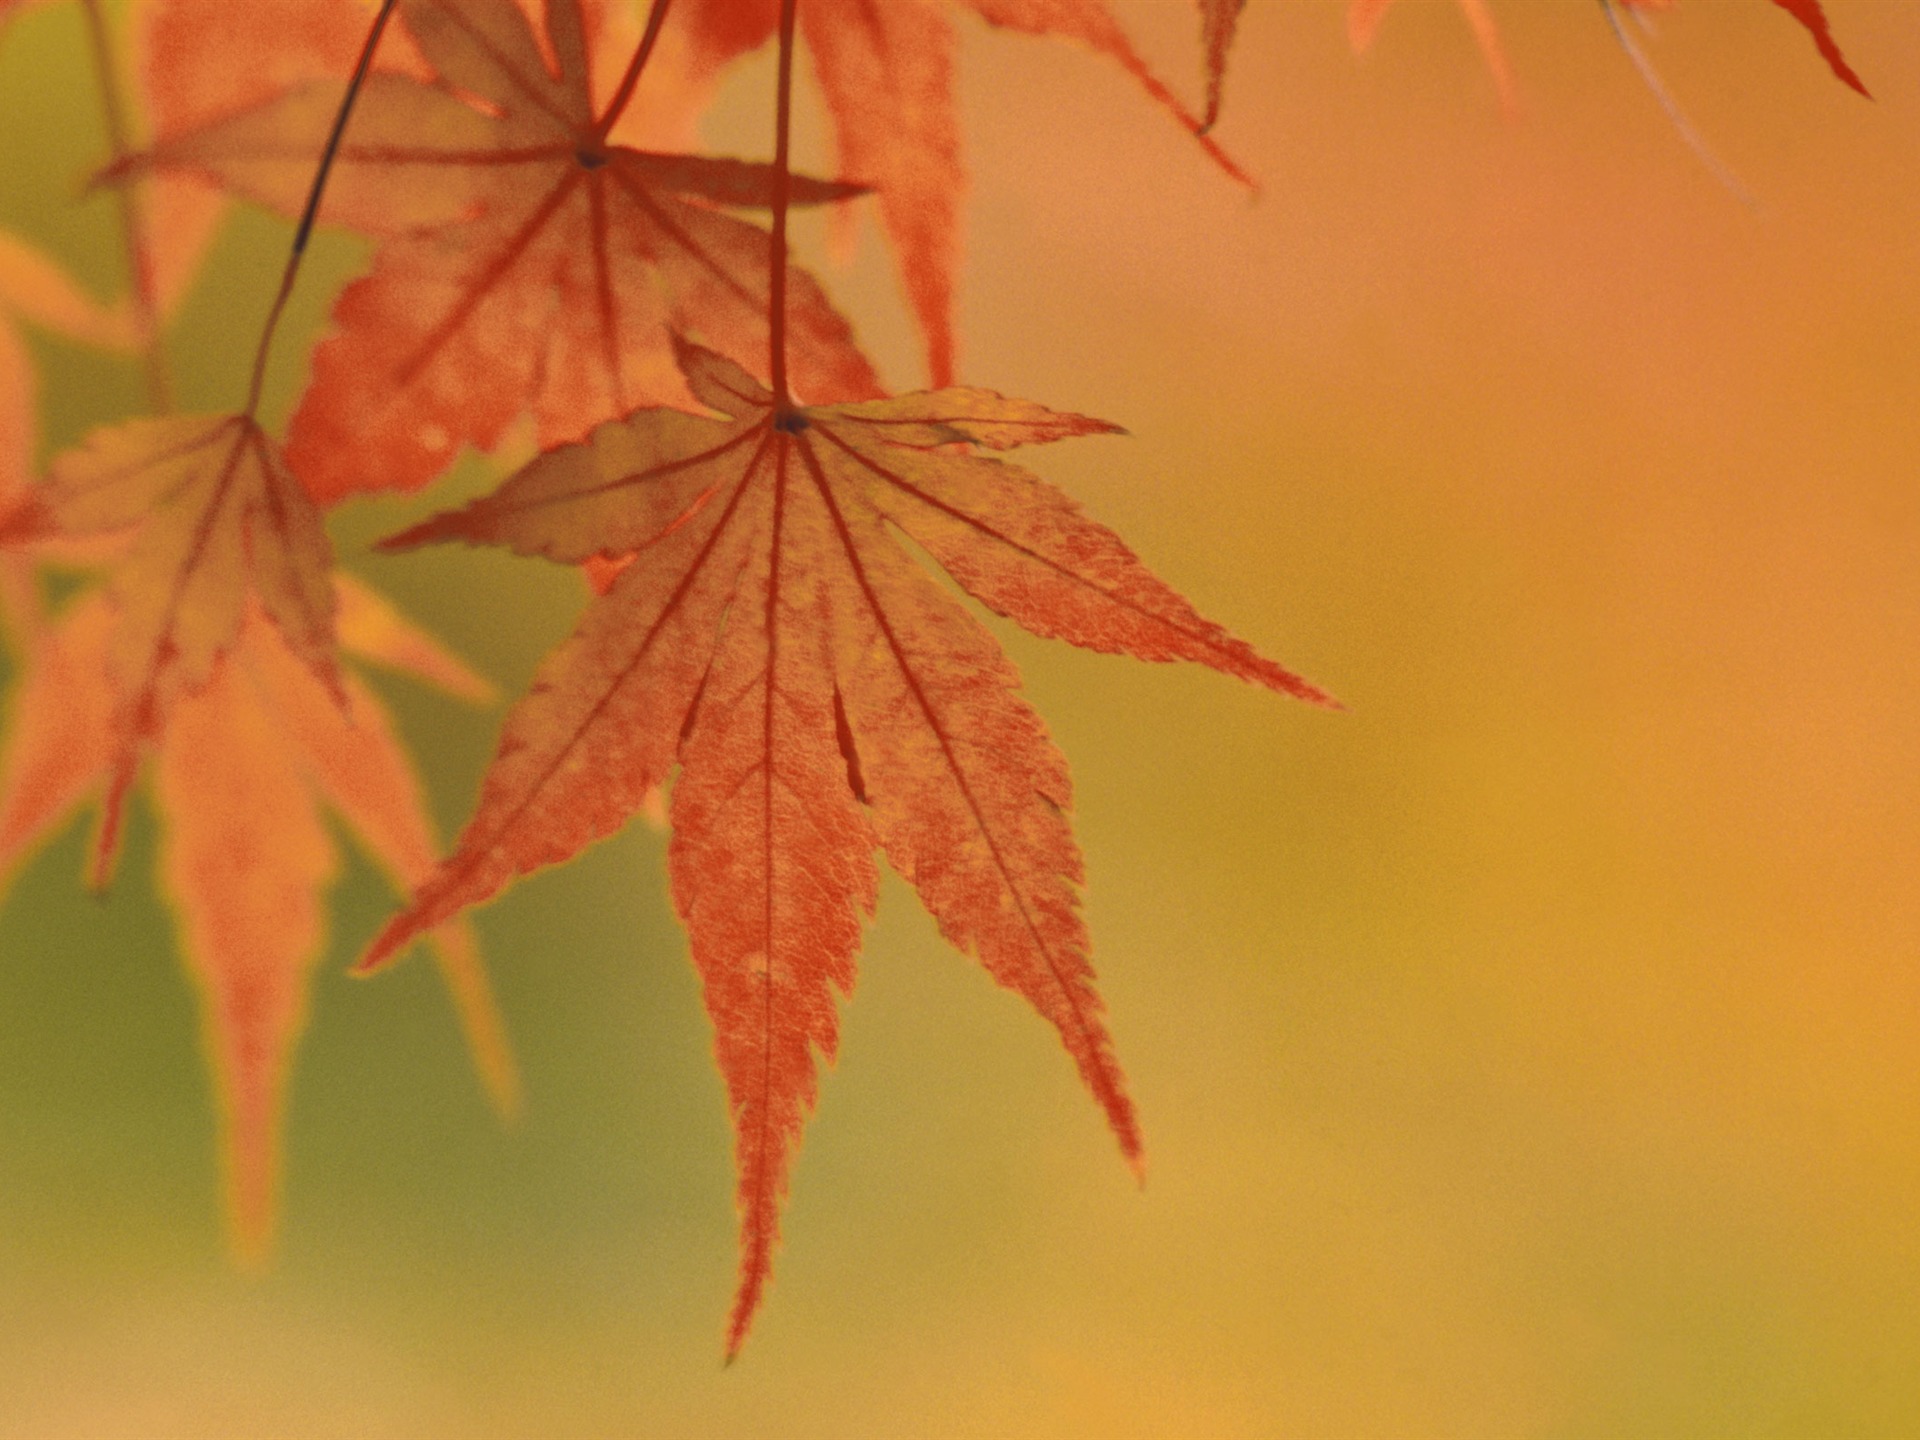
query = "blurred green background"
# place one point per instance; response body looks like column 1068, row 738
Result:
column 1531, row 1051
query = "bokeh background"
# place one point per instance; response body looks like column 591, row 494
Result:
column 1532, row 1050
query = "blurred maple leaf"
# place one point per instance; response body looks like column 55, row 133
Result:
column 244, row 761
column 34, row 288
column 529, row 263
column 212, row 646
column 820, row 694
column 887, row 74
column 216, row 519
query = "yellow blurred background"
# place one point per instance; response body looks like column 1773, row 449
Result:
column 1531, row 1051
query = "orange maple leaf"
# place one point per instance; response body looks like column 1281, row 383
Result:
column 887, row 71
column 243, row 763
column 530, row 263
column 217, row 520
column 205, row 60
column 819, row 693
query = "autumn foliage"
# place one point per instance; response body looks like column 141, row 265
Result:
column 713, row 444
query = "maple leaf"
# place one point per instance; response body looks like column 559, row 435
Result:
column 818, row 693
column 204, row 60
column 529, row 263
column 243, row 764
column 219, row 519
column 886, row 71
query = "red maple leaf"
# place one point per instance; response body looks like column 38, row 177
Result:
column 887, row 71
column 530, row 263
column 819, row 693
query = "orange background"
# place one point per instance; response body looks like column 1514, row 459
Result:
column 1532, row 1050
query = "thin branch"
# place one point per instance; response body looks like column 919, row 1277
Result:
column 305, row 227
column 782, row 185
column 1692, row 137
column 617, row 106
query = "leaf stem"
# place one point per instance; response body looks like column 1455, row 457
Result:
column 307, row 215
column 777, row 245
column 617, row 106
column 1677, row 117
column 146, row 308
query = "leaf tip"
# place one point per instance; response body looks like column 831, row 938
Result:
column 480, row 1019
column 1810, row 14
column 1314, row 695
column 756, row 1265
column 1283, row 681
column 251, row 1201
column 1226, row 163
column 686, row 354
column 429, row 531
column 746, row 1304
column 387, row 946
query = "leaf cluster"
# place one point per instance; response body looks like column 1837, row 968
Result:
column 713, row 446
